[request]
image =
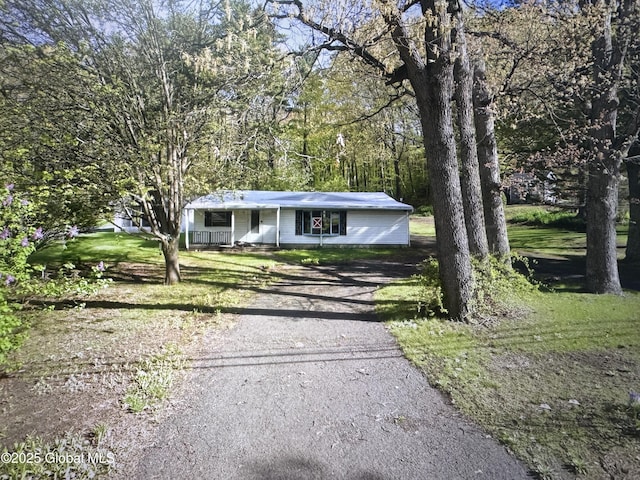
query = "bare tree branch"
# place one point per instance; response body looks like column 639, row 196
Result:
column 333, row 34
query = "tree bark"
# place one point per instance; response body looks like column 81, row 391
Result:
column 602, row 207
column 452, row 245
column 491, row 184
column 632, row 253
column 604, row 166
column 469, row 169
column 170, row 247
column 432, row 82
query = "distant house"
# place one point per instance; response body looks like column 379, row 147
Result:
column 296, row 219
column 122, row 223
column 528, row 188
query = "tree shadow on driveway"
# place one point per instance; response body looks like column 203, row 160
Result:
column 289, row 467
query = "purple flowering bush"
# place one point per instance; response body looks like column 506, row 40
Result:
column 18, row 238
column 17, row 242
column 18, row 279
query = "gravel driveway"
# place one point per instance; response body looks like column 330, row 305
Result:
column 309, row 385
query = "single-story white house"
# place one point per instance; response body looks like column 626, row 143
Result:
column 296, row 219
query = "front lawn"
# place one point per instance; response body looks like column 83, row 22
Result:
column 554, row 380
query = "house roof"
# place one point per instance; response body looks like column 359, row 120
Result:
column 258, row 199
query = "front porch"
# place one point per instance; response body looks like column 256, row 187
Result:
column 209, row 228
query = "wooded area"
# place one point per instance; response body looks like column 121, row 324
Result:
column 142, row 106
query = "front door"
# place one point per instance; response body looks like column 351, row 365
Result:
column 255, row 227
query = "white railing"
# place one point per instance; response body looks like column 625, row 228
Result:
column 210, row 238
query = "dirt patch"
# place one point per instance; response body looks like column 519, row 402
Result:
column 581, row 408
column 74, row 369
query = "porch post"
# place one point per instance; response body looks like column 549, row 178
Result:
column 408, row 218
column 186, row 228
column 233, row 227
column 278, row 227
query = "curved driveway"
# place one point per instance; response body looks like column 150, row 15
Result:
column 309, row 385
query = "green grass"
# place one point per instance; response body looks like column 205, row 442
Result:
column 119, row 334
column 545, row 217
column 153, row 380
column 95, row 247
column 551, row 380
column 70, row 456
column 550, row 231
column 332, row 256
column 567, row 322
column 210, row 279
column 421, row 225
column 549, row 241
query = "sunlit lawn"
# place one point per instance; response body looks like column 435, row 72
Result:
column 552, row 379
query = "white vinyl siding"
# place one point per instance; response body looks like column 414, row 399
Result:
column 364, row 227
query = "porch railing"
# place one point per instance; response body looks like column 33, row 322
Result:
column 210, row 238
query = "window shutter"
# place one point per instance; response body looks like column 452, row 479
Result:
column 343, row 223
column 298, row 222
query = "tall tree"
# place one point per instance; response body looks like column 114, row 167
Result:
column 50, row 147
column 495, row 221
column 472, row 198
column 568, row 112
column 425, row 52
column 613, row 26
column 340, row 112
column 168, row 67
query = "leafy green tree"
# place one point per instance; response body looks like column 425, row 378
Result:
column 569, row 76
column 51, row 147
column 531, row 74
column 168, row 72
column 348, row 131
column 611, row 31
column 17, row 240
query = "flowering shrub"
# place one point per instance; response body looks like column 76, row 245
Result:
column 18, row 239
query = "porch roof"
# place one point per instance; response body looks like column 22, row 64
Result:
column 259, row 200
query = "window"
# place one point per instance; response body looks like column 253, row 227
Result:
column 321, row 222
column 255, row 221
column 217, row 219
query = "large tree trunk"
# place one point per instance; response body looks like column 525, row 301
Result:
column 604, row 166
column 453, row 248
column 632, row 253
column 469, row 169
column 433, row 85
column 495, row 221
column 432, row 82
column 602, row 207
column 163, row 207
column 171, row 260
